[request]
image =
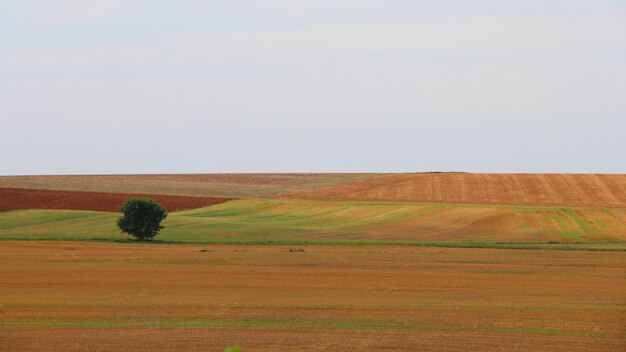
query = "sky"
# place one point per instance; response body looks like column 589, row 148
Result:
column 147, row 86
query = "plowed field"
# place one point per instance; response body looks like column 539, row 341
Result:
column 532, row 189
column 14, row 198
column 80, row 296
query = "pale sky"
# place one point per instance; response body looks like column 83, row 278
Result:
column 177, row 86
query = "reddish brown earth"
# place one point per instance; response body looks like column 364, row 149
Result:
column 81, row 296
column 531, row 189
column 15, row 198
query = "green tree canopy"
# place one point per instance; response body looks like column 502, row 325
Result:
column 142, row 218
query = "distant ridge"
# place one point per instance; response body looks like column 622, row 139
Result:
column 515, row 189
column 205, row 185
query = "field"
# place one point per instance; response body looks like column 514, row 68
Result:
column 16, row 198
column 316, row 262
column 107, row 296
column 302, row 222
column 531, row 189
column 468, row 188
column 205, row 185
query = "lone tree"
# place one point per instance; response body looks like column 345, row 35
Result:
column 142, row 218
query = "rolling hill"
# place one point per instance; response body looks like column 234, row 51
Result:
column 196, row 185
column 520, row 189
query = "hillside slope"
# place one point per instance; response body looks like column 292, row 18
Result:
column 204, row 185
column 531, row 189
column 251, row 221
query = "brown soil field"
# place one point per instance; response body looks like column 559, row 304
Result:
column 15, row 198
column 208, row 185
column 81, row 296
column 514, row 189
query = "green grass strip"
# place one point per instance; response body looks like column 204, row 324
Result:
column 236, row 241
column 291, row 324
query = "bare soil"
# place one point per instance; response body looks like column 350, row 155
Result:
column 15, row 198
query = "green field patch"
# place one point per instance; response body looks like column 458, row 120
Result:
column 274, row 221
column 17, row 219
column 277, row 323
column 510, row 271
